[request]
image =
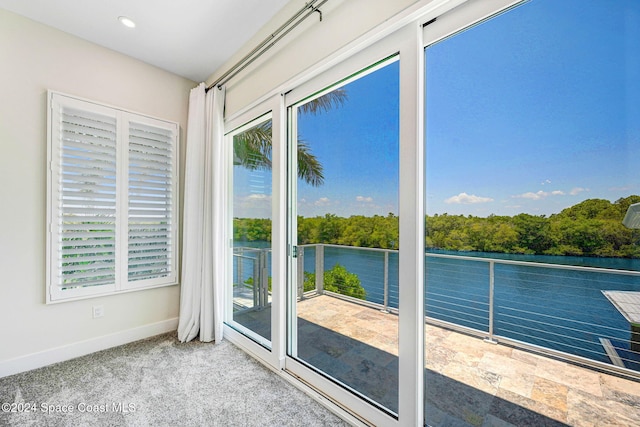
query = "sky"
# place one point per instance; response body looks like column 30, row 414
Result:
column 533, row 111
column 358, row 145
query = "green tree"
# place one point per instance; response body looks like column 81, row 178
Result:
column 330, row 229
column 591, row 209
column 339, row 280
column 252, row 229
column 309, row 281
column 590, row 228
column 533, row 233
column 504, row 238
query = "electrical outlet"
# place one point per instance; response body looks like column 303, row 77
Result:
column 98, row 311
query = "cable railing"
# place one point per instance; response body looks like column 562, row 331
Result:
column 562, row 310
column 557, row 309
column 251, row 278
column 375, row 270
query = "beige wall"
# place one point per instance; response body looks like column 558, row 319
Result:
column 343, row 22
column 34, row 58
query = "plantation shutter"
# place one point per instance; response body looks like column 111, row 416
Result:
column 84, row 225
column 151, row 181
column 112, row 188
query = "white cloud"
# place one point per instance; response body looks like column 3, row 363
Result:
column 538, row 195
column 253, row 199
column 322, row 201
column 533, row 196
column 258, row 197
column 252, row 206
column 466, row 199
column 364, row 199
column 546, row 181
column 577, row 190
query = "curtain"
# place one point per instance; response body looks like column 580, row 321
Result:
column 204, row 230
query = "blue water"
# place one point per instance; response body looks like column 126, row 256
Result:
column 564, row 310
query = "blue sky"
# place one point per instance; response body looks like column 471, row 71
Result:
column 534, row 111
column 357, row 144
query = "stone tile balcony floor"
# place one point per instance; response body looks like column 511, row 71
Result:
column 473, row 383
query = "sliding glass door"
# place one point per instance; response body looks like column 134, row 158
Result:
column 532, row 132
column 249, row 293
column 344, row 156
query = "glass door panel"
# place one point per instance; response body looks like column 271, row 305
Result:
column 251, row 285
column 532, row 188
column 345, row 209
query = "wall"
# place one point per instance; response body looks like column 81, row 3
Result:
column 35, row 58
column 343, row 21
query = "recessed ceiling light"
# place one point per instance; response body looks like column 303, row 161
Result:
column 127, row 22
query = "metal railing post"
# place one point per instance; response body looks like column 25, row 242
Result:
column 264, row 278
column 239, row 268
column 386, row 283
column 320, row 269
column 300, row 281
column 256, row 281
column 490, row 338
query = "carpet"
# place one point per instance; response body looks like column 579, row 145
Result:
column 159, row 382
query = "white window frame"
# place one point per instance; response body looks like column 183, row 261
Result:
column 462, row 17
column 166, row 144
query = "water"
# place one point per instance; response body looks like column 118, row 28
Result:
column 564, row 310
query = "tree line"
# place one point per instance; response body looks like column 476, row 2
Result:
column 590, row 228
column 361, row 231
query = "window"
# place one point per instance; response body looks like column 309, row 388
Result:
column 112, row 191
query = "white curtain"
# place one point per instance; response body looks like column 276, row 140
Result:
column 204, row 224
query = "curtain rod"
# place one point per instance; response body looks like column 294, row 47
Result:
column 268, row 43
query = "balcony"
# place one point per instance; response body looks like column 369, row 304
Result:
column 478, row 368
column 475, row 382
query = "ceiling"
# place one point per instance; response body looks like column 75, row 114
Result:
column 191, row 38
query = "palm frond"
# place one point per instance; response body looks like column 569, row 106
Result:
column 252, row 148
column 324, row 103
column 309, row 168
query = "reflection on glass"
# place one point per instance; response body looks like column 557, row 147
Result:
column 532, row 142
column 347, row 234
column 252, row 231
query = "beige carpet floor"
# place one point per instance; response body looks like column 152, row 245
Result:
column 159, row 382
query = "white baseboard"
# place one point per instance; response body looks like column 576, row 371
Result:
column 81, row 348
